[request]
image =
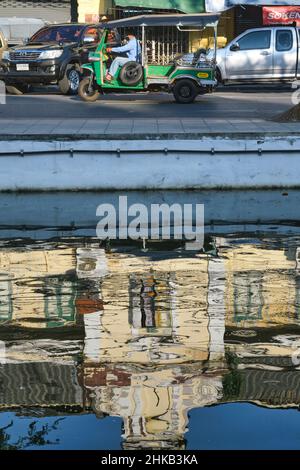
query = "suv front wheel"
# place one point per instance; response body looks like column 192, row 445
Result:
column 69, row 84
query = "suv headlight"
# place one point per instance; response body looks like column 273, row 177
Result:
column 5, row 55
column 50, row 54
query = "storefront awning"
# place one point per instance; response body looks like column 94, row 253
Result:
column 186, row 6
column 221, row 5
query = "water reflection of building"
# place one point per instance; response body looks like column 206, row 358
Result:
column 146, row 347
column 154, row 328
column 40, row 374
column 153, row 403
column 152, row 315
column 35, row 289
column 261, row 289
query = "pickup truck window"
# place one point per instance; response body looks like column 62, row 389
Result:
column 284, row 40
column 58, row 33
column 255, row 40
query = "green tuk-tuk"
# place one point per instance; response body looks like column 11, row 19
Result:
column 185, row 78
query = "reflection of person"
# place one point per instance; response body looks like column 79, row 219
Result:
column 132, row 49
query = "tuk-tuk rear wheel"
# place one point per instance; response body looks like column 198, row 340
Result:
column 87, row 91
column 185, row 91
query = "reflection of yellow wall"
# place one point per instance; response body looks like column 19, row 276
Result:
column 26, row 270
column 259, row 287
column 189, row 331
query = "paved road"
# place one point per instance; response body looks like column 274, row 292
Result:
column 226, row 103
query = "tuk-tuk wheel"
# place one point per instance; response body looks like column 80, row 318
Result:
column 86, row 90
column 185, row 91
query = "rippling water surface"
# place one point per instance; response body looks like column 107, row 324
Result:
column 110, row 347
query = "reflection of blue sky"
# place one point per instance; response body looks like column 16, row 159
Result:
column 229, row 426
column 243, row 426
column 73, row 432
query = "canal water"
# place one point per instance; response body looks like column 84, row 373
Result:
column 111, row 346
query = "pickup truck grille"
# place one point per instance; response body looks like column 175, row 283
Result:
column 24, row 55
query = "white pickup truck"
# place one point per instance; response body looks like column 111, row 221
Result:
column 261, row 55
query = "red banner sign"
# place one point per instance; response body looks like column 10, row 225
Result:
column 281, row 15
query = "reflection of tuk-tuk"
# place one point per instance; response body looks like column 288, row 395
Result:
column 185, row 79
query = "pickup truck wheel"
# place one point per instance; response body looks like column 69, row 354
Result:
column 69, row 84
column 86, row 91
column 185, row 91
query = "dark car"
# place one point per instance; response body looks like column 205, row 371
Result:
column 53, row 55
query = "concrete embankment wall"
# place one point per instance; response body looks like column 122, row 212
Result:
column 65, row 164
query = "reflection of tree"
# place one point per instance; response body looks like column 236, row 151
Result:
column 35, row 436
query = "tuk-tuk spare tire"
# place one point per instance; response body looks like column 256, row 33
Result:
column 185, row 91
column 131, row 73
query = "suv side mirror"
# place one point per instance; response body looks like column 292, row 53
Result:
column 235, row 46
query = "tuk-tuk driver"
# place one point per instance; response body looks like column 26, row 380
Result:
column 132, row 50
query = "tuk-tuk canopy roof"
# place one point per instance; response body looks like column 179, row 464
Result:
column 201, row 19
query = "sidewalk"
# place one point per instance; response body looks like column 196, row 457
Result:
column 187, row 128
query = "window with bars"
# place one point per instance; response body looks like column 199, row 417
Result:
column 163, row 43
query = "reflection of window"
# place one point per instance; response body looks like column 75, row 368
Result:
column 248, row 296
column 150, row 304
column 255, row 40
column 59, row 301
column 6, row 306
column 284, row 40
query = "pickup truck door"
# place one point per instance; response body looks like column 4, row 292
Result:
column 252, row 58
column 285, row 55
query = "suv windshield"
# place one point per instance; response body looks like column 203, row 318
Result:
column 67, row 33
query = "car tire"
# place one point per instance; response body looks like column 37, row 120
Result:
column 69, row 84
column 185, row 91
column 17, row 89
column 131, row 73
column 86, row 93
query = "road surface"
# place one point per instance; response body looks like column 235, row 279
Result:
column 225, row 103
